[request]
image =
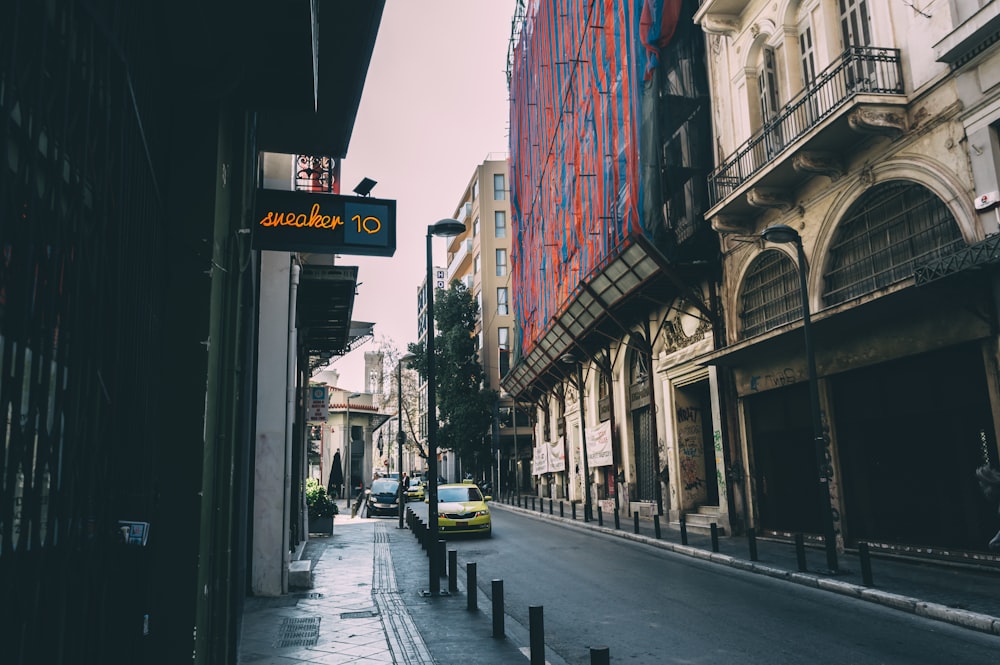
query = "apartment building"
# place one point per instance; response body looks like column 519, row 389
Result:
column 480, row 259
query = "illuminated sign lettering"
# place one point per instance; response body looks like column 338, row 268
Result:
column 324, row 223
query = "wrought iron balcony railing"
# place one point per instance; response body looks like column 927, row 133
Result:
column 858, row 71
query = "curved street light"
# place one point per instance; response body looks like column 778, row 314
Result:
column 443, row 228
column 783, row 234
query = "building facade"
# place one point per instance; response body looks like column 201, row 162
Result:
column 774, row 254
column 480, row 258
column 839, row 121
column 614, row 269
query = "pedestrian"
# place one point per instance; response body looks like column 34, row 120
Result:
column 336, row 482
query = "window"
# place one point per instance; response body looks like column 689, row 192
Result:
column 767, row 80
column 500, row 224
column 503, row 338
column 807, row 58
column 771, row 295
column 479, row 302
column 475, row 265
column 499, row 190
column 501, row 262
column 892, row 227
column 475, row 190
column 502, row 307
column 475, row 227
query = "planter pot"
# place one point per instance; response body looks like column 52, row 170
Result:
column 321, row 525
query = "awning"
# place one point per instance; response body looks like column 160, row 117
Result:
column 323, row 309
column 603, row 307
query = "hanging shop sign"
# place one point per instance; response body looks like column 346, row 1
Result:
column 324, row 223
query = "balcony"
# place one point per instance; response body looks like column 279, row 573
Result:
column 458, row 259
column 858, row 95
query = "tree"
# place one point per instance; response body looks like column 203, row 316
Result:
column 387, row 398
column 465, row 407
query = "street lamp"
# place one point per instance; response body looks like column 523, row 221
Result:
column 400, row 434
column 781, row 234
column 444, row 228
column 347, row 446
column 571, row 359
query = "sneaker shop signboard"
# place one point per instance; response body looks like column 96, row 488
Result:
column 324, row 223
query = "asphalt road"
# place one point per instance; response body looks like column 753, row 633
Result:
column 651, row 606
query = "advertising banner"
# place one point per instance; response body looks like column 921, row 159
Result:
column 557, row 455
column 599, row 445
column 540, row 459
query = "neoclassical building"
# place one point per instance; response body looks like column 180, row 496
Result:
column 866, row 132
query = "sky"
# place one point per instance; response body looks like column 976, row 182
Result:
column 434, row 106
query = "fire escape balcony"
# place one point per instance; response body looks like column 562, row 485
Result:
column 858, row 95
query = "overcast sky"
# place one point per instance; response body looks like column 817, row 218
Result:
column 434, row 107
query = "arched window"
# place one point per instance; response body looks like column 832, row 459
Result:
column 887, row 231
column 770, row 295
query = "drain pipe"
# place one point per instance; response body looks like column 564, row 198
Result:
column 293, row 290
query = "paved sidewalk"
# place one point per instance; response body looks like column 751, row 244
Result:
column 369, row 603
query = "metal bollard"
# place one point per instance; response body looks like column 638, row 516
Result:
column 498, row 609
column 684, row 530
column 550, row 506
column 715, row 536
column 574, row 512
column 752, row 541
column 656, row 526
column 800, row 552
column 532, row 504
column 471, row 591
column 561, row 511
column 440, row 552
column 453, row 571
column 600, row 655
column 600, row 516
column 618, row 523
column 635, row 522
column 866, row 564
column 536, row 628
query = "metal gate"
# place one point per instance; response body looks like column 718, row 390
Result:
column 645, row 471
column 81, row 271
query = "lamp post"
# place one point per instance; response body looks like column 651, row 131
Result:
column 400, row 434
column 781, row 234
column 347, row 447
column 570, row 359
column 444, row 228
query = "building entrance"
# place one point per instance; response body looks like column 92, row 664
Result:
column 911, row 434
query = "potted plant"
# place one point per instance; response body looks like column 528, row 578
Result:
column 321, row 508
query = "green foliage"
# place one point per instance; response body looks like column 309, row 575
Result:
column 318, row 501
column 465, row 407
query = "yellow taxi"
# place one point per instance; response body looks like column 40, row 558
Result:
column 462, row 508
column 415, row 491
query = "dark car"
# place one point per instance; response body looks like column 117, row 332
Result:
column 383, row 497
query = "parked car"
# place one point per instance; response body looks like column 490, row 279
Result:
column 416, row 490
column 462, row 508
column 383, row 497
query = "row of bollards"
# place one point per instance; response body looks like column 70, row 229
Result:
column 599, row 655
column 864, row 555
